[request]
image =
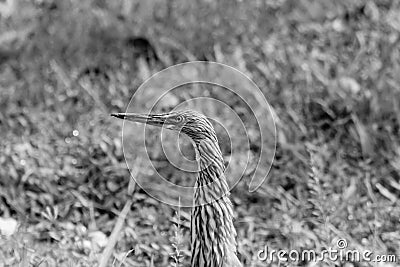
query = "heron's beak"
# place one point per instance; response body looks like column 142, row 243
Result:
column 151, row 119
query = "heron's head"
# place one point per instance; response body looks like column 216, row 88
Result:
column 192, row 123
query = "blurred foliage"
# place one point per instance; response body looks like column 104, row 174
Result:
column 328, row 68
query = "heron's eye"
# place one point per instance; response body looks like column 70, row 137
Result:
column 179, row 119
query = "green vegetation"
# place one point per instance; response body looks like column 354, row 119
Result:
column 329, row 69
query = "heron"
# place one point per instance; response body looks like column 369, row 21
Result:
column 213, row 235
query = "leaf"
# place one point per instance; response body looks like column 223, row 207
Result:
column 98, row 239
column 365, row 138
column 349, row 84
column 8, row 226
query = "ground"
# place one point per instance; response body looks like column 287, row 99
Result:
column 329, row 70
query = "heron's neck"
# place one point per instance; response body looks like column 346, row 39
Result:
column 210, row 184
column 210, row 156
column 213, row 233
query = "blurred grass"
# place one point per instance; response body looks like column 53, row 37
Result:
column 328, row 68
